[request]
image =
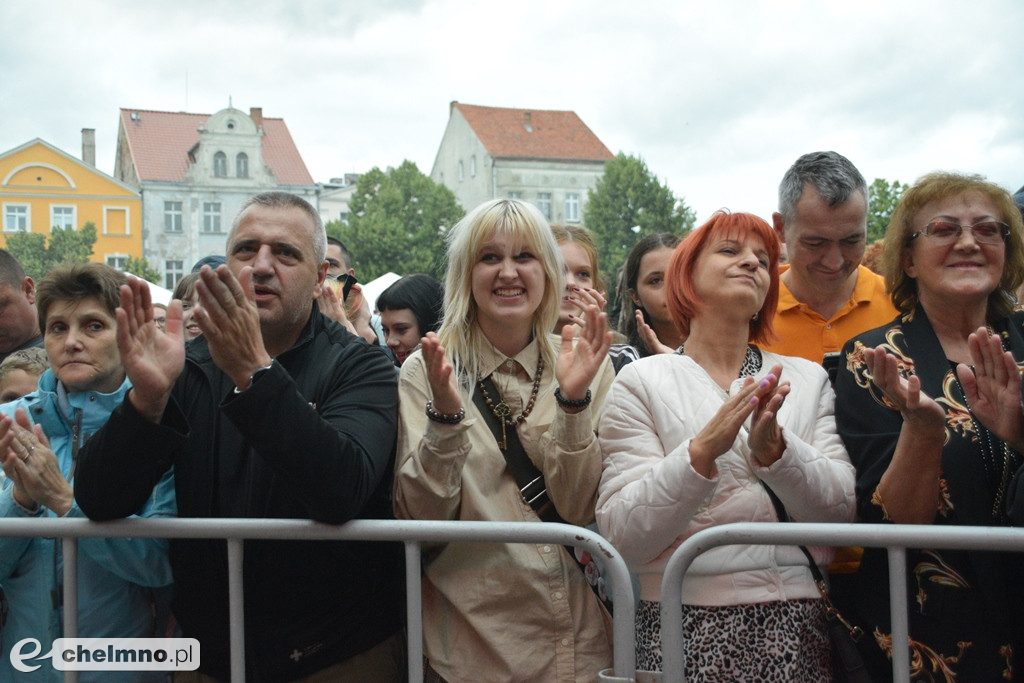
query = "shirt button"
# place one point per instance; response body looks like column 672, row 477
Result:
column 565, row 642
column 508, row 364
column 828, row 327
column 772, row 588
column 547, row 549
column 558, row 595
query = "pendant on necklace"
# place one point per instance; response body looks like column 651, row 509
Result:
column 502, row 411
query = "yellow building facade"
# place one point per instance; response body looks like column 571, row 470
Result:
column 42, row 186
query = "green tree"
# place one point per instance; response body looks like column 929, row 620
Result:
column 397, row 221
column 140, row 268
column 883, row 197
column 627, row 203
column 66, row 245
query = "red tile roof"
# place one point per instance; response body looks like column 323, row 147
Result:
column 160, row 140
column 555, row 134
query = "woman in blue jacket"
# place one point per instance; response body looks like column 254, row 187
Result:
column 40, row 435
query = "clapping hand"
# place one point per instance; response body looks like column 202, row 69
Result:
column 231, row 322
column 440, row 375
column 649, row 336
column 152, row 358
column 762, row 399
column 578, row 363
column 582, row 297
column 765, row 440
column 29, row 462
column 918, row 409
column 993, row 388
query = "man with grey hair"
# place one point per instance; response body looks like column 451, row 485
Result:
column 275, row 412
column 19, row 323
column 825, row 295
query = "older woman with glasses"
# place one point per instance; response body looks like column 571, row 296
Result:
column 929, row 407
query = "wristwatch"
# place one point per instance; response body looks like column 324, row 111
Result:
column 256, row 375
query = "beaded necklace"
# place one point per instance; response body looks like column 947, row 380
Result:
column 504, row 413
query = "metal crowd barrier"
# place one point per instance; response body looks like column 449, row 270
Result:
column 411, row 533
column 895, row 538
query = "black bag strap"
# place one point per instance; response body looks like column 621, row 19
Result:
column 855, row 632
column 528, row 478
column 780, row 510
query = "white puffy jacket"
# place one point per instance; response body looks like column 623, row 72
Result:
column 650, row 498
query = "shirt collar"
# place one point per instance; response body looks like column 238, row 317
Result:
column 492, row 358
column 786, row 298
column 863, row 291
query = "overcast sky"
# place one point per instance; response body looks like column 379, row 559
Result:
column 718, row 98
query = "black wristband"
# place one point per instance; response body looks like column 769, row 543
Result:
column 442, row 417
column 563, row 401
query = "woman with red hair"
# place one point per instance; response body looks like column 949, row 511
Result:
column 696, row 438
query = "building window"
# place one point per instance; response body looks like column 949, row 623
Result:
column 172, row 216
column 62, row 217
column 572, row 208
column 462, row 172
column 115, row 220
column 242, row 165
column 544, row 204
column 211, row 216
column 119, row 261
column 515, row 195
column 15, row 218
column 173, row 271
column 220, row 165
column 472, row 166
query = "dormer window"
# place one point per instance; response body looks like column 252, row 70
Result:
column 242, row 165
column 220, row 165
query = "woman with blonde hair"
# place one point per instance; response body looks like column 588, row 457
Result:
column 583, row 282
column 497, row 424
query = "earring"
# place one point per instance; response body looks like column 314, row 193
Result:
column 755, row 316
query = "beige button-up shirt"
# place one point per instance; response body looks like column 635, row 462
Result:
column 504, row 611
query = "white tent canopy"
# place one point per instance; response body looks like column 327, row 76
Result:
column 158, row 294
column 373, row 288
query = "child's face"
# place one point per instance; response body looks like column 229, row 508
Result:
column 17, row 383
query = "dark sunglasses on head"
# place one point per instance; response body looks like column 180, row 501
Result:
column 346, row 281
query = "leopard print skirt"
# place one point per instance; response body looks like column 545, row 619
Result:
column 767, row 641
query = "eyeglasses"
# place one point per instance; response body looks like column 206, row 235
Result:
column 947, row 232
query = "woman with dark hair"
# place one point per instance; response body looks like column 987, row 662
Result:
column 694, row 439
column 929, row 406
column 40, row 435
column 642, row 298
column 409, row 308
column 185, row 292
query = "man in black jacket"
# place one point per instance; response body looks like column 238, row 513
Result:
column 275, row 412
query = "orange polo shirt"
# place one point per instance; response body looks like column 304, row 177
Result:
column 799, row 331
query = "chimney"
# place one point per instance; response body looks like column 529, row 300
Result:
column 528, row 121
column 256, row 114
column 89, row 146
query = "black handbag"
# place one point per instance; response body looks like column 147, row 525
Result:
column 848, row 664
